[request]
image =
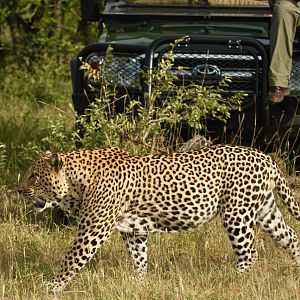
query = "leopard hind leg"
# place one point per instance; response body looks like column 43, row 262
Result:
column 271, row 221
column 239, row 226
column 137, row 249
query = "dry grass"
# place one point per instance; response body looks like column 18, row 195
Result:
column 197, row 265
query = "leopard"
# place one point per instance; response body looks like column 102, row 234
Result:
column 111, row 190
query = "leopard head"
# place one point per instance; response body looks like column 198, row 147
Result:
column 44, row 184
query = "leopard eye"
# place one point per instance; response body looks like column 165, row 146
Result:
column 32, row 177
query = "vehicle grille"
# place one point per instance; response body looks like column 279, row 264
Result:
column 210, row 67
column 203, row 67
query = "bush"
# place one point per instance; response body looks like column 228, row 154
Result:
column 156, row 127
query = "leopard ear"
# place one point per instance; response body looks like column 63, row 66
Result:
column 56, row 162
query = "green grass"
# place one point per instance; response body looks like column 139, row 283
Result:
column 29, row 101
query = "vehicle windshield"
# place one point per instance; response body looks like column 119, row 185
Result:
column 223, row 3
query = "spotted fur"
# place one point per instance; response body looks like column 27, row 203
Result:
column 111, row 189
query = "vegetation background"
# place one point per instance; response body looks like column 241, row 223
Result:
column 37, row 41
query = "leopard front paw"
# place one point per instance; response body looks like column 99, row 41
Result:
column 54, row 286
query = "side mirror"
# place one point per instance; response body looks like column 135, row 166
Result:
column 90, row 10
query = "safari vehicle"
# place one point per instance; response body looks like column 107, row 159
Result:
column 224, row 38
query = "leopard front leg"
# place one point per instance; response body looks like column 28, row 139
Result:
column 93, row 231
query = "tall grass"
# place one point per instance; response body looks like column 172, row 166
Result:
column 197, row 265
column 30, row 101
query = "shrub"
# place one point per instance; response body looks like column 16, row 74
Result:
column 157, row 126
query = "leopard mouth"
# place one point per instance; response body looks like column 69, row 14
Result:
column 39, row 204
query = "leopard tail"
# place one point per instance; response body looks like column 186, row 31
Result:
column 285, row 193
